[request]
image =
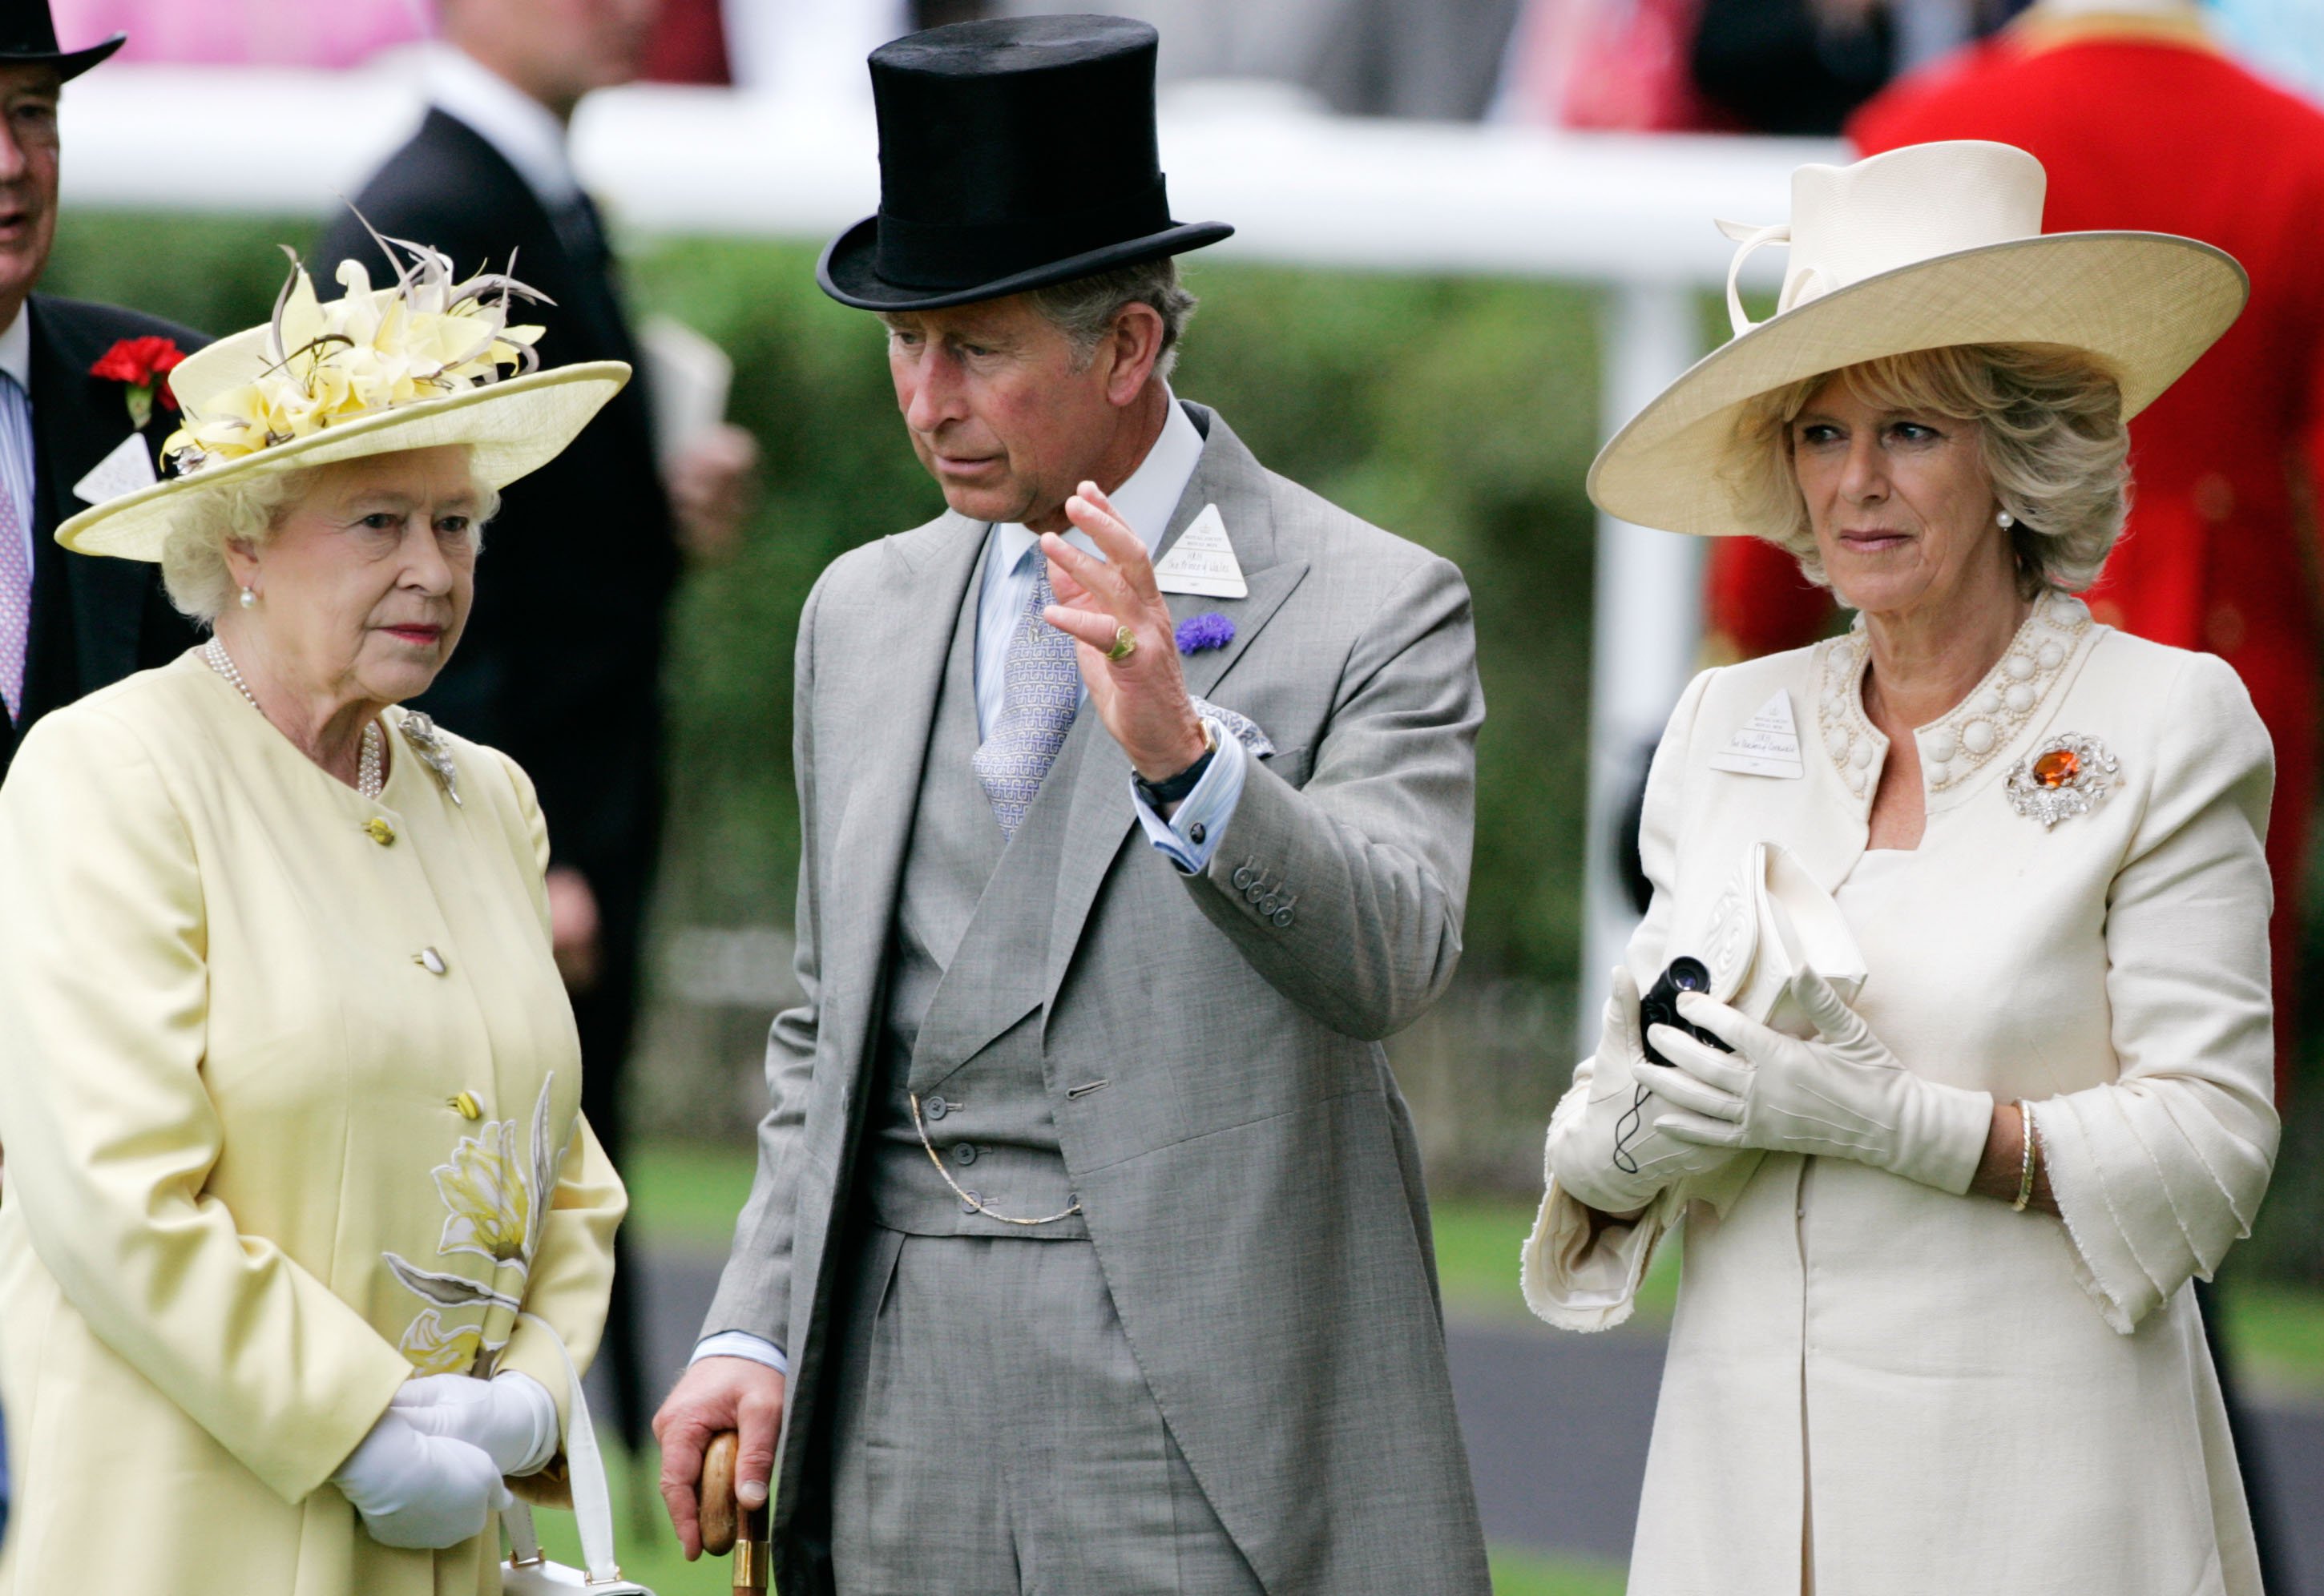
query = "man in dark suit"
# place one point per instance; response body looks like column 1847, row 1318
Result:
column 561, row 665
column 69, row 623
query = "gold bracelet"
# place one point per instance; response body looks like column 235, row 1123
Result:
column 2026, row 1160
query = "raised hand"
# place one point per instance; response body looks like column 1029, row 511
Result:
column 1128, row 646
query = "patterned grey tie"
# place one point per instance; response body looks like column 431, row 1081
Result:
column 1041, row 691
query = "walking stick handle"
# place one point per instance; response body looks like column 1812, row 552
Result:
column 726, row 1524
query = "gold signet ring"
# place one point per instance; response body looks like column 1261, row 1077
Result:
column 1125, row 644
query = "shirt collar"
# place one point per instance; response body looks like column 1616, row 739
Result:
column 16, row 348
column 525, row 132
column 1145, row 500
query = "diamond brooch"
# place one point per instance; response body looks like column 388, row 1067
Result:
column 429, row 744
column 2069, row 775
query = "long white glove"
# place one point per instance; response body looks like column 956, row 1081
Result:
column 1843, row 1096
column 419, row 1491
column 1607, row 1153
column 511, row 1416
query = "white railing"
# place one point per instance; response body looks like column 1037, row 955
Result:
column 1632, row 212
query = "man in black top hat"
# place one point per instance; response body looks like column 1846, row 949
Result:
column 69, row 623
column 1088, row 1251
column 84, row 408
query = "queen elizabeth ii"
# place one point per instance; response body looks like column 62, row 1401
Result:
column 302, row 1217
column 1946, row 1189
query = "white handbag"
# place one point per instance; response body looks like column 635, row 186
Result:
column 529, row 1573
column 1771, row 923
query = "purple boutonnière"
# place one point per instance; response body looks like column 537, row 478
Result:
column 1209, row 630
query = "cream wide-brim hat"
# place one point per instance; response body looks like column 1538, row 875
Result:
column 1924, row 247
column 512, row 428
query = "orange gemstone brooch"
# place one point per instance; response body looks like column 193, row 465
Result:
column 2069, row 775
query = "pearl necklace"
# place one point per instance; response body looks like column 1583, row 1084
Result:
column 369, row 778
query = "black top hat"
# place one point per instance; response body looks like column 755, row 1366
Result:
column 1013, row 153
column 28, row 37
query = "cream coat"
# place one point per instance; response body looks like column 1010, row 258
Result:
column 241, row 1208
column 1950, row 1396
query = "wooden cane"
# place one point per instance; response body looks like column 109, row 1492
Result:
column 727, row 1526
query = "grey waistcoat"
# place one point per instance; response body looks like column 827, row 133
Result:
column 966, row 965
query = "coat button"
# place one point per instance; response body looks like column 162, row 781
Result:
column 1268, row 905
column 379, row 831
column 1241, row 878
column 429, row 960
column 1283, row 919
column 935, row 1108
column 467, row 1105
column 964, row 1153
column 969, row 1201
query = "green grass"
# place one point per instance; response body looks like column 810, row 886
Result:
column 1522, row 1574
column 653, row 1561
column 686, row 1197
column 2275, row 1337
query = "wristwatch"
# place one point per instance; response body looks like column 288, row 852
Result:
column 1174, row 790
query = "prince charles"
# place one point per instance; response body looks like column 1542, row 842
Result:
column 1088, row 1254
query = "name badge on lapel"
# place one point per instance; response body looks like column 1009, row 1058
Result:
column 124, row 471
column 1202, row 561
column 1768, row 744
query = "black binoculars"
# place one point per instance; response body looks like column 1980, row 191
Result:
column 1660, row 1005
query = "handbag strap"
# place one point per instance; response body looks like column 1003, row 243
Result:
column 524, row 1541
column 593, row 1505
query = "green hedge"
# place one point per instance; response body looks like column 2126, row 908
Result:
column 1460, row 414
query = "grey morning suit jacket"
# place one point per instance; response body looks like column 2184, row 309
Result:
column 1249, row 1174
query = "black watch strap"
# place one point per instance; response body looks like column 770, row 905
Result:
column 1174, row 788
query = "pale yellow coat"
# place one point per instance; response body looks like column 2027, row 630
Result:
column 243, row 1202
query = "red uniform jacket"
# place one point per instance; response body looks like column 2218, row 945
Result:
column 2158, row 132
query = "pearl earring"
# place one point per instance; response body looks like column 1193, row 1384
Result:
column 249, row 599
column 2004, row 520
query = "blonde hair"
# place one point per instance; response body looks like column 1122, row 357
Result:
column 2050, row 424
column 248, row 512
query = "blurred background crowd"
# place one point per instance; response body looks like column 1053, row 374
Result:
column 1724, row 66
column 1457, row 401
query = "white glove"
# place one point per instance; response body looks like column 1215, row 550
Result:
column 417, row 1490
column 511, row 1416
column 1609, row 1154
column 1843, row 1096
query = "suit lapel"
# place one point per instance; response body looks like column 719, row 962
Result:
column 78, row 419
column 929, row 576
column 1232, row 478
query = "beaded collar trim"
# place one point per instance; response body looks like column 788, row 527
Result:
column 1956, row 748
